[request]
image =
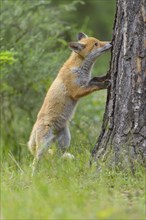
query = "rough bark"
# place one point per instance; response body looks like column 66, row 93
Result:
column 123, row 133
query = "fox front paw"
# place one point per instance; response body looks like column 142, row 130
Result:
column 107, row 83
column 100, row 85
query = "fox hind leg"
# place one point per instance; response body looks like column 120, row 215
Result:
column 32, row 142
column 64, row 138
column 42, row 144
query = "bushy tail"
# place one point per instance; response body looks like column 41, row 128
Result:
column 32, row 142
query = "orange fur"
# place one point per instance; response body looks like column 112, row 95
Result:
column 62, row 97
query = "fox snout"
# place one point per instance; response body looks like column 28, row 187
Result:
column 99, row 51
column 107, row 46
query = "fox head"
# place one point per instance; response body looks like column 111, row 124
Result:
column 86, row 45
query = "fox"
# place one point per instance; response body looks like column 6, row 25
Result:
column 52, row 123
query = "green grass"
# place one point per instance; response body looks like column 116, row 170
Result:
column 71, row 190
column 64, row 189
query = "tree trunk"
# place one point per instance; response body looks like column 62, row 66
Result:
column 123, row 133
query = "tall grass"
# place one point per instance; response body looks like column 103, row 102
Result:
column 64, row 189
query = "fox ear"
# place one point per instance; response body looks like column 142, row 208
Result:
column 75, row 46
column 81, row 35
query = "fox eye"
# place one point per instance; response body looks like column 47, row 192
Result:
column 96, row 44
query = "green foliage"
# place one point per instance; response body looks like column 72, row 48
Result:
column 7, row 57
column 33, row 46
column 34, row 33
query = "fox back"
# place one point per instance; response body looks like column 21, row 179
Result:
column 63, row 95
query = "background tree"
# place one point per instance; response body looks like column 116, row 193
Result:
column 124, row 125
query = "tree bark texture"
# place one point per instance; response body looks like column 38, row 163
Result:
column 124, row 124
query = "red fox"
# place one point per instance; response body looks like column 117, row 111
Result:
column 62, row 97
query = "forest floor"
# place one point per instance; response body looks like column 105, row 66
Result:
column 70, row 189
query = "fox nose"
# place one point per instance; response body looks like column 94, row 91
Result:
column 110, row 43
